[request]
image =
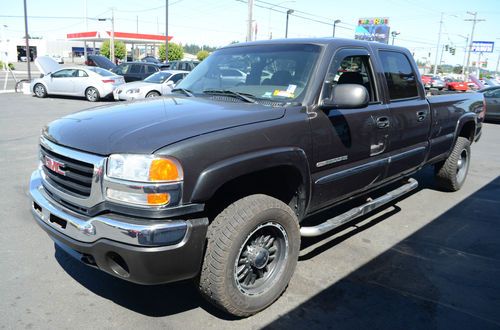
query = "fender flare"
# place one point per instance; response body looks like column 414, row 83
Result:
column 219, row 173
column 464, row 119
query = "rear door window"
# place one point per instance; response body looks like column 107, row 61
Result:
column 398, row 72
column 151, row 69
column 135, row 68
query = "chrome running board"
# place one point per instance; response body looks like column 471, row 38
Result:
column 356, row 212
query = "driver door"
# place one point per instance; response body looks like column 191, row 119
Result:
column 349, row 145
column 61, row 82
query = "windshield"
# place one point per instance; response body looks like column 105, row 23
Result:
column 100, row 71
column 274, row 72
column 158, row 77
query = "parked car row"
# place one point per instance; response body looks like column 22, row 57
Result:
column 94, row 82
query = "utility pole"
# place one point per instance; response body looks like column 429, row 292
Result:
column 166, row 31
column 437, row 46
column 288, row 13
column 250, row 21
column 474, row 21
column 28, row 53
column 112, row 43
column 86, row 29
column 465, row 55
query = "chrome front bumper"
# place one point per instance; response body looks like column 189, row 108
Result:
column 138, row 232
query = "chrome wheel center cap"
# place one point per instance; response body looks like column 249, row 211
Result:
column 258, row 257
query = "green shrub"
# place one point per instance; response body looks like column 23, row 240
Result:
column 175, row 52
column 202, row 54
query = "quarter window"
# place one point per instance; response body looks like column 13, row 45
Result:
column 401, row 80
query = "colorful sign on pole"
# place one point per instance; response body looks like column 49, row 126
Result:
column 373, row 29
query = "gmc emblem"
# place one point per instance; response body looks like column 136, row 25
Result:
column 54, row 165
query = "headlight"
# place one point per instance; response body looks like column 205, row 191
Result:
column 144, row 168
column 133, row 91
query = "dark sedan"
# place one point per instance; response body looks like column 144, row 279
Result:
column 492, row 98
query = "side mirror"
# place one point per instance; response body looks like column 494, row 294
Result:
column 170, row 83
column 346, row 96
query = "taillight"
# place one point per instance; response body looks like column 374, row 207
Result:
column 483, row 112
column 108, row 81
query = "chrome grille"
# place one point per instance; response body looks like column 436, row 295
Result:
column 77, row 178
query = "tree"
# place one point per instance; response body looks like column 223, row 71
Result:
column 120, row 49
column 175, row 52
column 202, row 54
column 457, row 69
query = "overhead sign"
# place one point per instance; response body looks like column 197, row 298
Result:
column 373, row 29
column 482, row 46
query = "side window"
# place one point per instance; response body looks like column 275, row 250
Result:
column 136, row 68
column 352, row 69
column 82, row 73
column 177, row 77
column 399, row 75
column 496, row 94
column 66, row 73
column 151, row 69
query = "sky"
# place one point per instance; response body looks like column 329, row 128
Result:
column 219, row 22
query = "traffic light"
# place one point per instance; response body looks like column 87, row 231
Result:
column 452, row 51
column 446, row 47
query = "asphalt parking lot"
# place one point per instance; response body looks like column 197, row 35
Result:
column 430, row 261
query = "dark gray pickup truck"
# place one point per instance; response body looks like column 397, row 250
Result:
column 213, row 183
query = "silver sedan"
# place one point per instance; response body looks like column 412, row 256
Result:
column 159, row 83
column 91, row 82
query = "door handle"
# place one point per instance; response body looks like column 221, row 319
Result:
column 421, row 115
column 382, row 122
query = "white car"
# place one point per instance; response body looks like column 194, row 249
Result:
column 59, row 59
column 159, row 83
column 93, row 83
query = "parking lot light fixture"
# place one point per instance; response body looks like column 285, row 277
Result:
column 337, row 21
column 288, row 13
column 394, row 34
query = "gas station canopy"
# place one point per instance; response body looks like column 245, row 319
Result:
column 127, row 37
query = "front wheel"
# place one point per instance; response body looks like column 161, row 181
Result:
column 40, row 90
column 153, row 94
column 252, row 250
column 452, row 172
column 92, row 94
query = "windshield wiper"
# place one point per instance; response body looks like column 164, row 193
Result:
column 242, row 96
column 183, row 90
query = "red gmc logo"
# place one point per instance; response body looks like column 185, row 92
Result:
column 54, row 165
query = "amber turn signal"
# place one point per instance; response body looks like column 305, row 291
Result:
column 164, row 170
column 158, row 199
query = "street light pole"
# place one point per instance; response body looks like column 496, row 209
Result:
column 465, row 54
column 166, row 31
column 112, row 43
column 337, row 21
column 438, row 42
column 288, row 13
column 394, row 34
column 250, row 21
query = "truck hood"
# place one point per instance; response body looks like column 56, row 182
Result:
column 146, row 126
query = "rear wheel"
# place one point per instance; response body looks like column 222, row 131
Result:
column 452, row 172
column 40, row 90
column 252, row 250
column 153, row 94
column 92, row 94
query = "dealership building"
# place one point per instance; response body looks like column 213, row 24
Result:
column 73, row 47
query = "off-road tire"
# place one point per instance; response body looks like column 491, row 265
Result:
column 451, row 173
column 228, row 235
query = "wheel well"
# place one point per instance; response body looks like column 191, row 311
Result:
column 468, row 131
column 153, row 91
column 283, row 182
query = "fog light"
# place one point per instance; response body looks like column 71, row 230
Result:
column 138, row 198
